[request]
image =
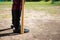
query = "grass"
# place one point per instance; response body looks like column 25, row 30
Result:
column 33, row 3
column 5, row 3
column 43, row 6
column 38, row 6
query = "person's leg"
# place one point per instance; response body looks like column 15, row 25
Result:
column 17, row 23
column 16, row 20
column 16, row 16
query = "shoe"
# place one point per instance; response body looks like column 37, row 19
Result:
column 19, row 31
column 16, row 31
column 26, row 30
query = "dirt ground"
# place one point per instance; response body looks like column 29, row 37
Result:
column 41, row 24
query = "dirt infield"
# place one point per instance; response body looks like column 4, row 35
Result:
column 42, row 26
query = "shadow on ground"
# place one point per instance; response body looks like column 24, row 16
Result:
column 7, row 34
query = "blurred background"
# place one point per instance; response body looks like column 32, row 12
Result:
column 41, row 17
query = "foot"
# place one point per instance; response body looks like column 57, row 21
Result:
column 26, row 30
column 18, row 31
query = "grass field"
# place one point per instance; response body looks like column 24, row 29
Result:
column 37, row 6
column 43, row 6
column 36, row 3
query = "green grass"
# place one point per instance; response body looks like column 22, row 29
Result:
column 57, row 3
column 43, row 6
column 38, row 6
column 33, row 3
column 5, row 3
column 42, row 3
